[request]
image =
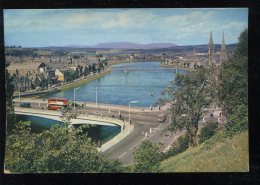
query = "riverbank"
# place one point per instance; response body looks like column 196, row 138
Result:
column 77, row 83
column 84, row 80
column 127, row 61
column 173, row 66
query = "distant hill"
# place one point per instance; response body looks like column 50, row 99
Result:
column 152, row 48
column 190, row 48
column 125, row 45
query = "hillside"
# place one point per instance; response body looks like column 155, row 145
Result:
column 228, row 156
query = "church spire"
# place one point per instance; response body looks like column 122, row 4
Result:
column 211, row 49
column 211, row 45
column 223, row 49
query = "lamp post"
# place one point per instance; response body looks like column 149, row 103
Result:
column 96, row 95
column 75, row 96
column 129, row 109
column 19, row 93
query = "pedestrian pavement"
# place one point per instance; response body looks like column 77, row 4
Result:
column 128, row 128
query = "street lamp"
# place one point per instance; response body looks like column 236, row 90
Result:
column 75, row 95
column 129, row 109
column 19, row 93
column 96, row 95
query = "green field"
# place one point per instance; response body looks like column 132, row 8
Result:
column 231, row 155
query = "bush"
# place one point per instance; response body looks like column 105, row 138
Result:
column 218, row 137
column 238, row 122
column 147, row 158
column 208, row 131
column 58, row 150
column 180, row 146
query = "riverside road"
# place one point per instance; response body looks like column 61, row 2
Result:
column 146, row 127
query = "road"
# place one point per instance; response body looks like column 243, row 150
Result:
column 143, row 121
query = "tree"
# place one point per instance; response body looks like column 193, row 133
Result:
column 233, row 90
column 93, row 68
column 60, row 149
column 9, row 90
column 233, row 87
column 194, row 92
column 208, row 131
column 147, row 157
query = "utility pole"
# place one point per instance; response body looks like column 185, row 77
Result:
column 75, row 96
column 129, row 109
column 96, row 95
column 19, row 93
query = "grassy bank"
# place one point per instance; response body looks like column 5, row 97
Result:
column 231, row 155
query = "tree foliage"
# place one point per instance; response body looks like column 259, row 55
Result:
column 178, row 147
column 9, row 90
column 233, row 86
column 208, row 131
column 195, row 91
column 147, row 157
column 58, row 150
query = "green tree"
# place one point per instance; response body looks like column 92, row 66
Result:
column 178, row 147
column 195, row 91
column 147, row 157
column 9, row 90
column 233, row 87
column 208, row 131
column 61, row 149
column 93, row 68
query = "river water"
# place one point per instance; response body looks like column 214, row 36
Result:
column 141, row 81
column 97, row 133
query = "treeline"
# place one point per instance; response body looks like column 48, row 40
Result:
column 22, row 52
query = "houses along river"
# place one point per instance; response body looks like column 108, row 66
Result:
column 137, row 81
column 141, row 81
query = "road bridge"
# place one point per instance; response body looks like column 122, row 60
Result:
column 123, row 69
column 126, row 128
column 81, row 119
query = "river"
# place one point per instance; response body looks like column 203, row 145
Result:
column 137, row 81
column 141, row 81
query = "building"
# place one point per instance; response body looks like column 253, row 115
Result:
column 223, row 55
column 210, row 49
column 219, row 56
column 60, row 75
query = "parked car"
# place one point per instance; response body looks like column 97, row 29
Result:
column 162, row 117
column 25, row 104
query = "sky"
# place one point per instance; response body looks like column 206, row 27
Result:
column 181, row 26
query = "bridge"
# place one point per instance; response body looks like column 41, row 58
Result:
column 123, row 69
column 126, row 128
column 81, row 119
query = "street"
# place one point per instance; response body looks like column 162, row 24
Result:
column 143, row 121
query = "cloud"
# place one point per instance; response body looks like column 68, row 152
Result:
column 138, row 25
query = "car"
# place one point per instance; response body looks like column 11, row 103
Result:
column 25, row 104
column 76, row 105
column 162, row 117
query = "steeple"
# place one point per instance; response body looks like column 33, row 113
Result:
column 223, row 43
column 211, row 49
column 223, row 50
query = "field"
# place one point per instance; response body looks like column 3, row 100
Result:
column 228, row 156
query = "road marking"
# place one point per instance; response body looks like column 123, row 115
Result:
column 122, row 155
column 133, row 147
column 143, row 139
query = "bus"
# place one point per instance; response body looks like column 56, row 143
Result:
column 57, row 103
